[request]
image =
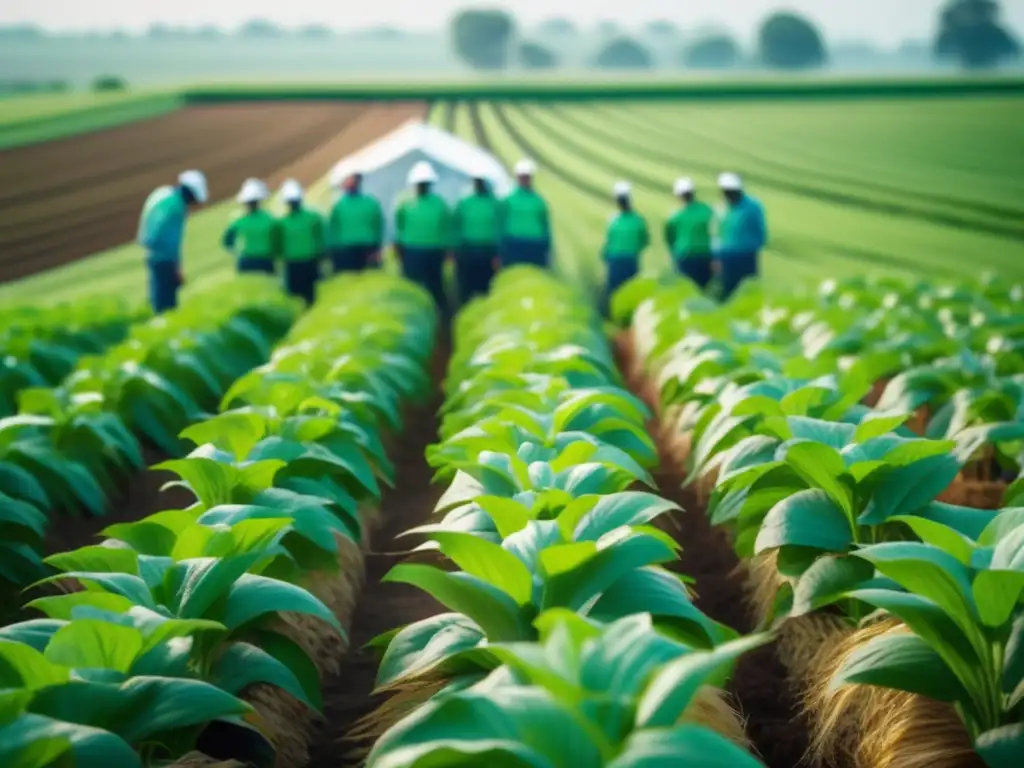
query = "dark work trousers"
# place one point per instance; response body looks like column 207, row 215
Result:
column 697, row 268
column 474, row 270
column 425, row 266
column 300, row 278
column 256, row 264
column 737, row 267
column 521, row 250
column 163, row 285
column 621, row 269
column 352, row 258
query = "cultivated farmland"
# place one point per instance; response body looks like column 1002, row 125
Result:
column 77, row 196
column 782, row 531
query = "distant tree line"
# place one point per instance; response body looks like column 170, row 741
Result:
column 971, row 34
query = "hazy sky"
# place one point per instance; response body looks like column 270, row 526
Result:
column 887, row 21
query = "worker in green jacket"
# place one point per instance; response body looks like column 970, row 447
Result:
column 355, row 228
column 627, row 238
column 303, row 243
column 688, row 234
column 478, row 234
column 526, row 226
column 423, row 234
column 253, row 235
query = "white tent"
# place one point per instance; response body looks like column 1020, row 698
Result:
column 386, row 163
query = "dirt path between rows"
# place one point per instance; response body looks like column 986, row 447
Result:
column 383, row 607
column 759, row 685
column 82, row 195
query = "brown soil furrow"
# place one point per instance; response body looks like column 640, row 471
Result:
column 383, row 607
column 218, row 159
column 274, row 142
column 760, row 685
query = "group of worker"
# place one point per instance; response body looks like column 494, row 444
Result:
column 702, row 243
column 482, row 232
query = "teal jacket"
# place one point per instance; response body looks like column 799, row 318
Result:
column 162, row 224
column 743, row 229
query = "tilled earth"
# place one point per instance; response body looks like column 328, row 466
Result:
column 65, row 199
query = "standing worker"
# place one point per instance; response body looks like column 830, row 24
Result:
column 254, row 235
column 303, row 243
column 355, row 228
column 423, row 234
column 743, row 232
column 161, row 233
column 526, row 229
column 688, row 234
column 478, row 233
column 625, row 242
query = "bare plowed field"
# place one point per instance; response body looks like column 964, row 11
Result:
column 62, row 200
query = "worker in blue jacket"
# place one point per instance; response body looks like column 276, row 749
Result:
column 743, row 233
column 162, row 231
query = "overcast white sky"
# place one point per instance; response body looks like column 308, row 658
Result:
column 886, row 21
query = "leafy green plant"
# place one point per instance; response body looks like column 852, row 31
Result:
column 585, row 695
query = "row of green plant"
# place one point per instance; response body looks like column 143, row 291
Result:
column 40, row 346
column 568, row 640
column 837, row 505
column 210, row 628
column 69, row 448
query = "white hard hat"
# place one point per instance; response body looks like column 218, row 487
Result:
column 292, row 192
column 622, row 189
column 422, row 173
column 525, row 167
column 195, row 182
column 683, row 186
column 730, row 182
column 253, row 191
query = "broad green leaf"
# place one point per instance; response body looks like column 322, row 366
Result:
column 683, row 745
column 62, row 606
column 877, row 424
column 826, row 581
column 619, row 553
column 905, row 489
column 996, row 594
column 672, row 690
column 938, row 535
column 198, row 584
column 421, row 646
column 509, row 516
column 140, row 708
column 1001, row 747
column 614, row 511
column 821, row 467
column 34, row 741
column 96, row 559
column 22, row 666
column 806, row 519
column 254, row 596
column 903, row 662
column 489, row 607
column 93, row 644
column 236, row 432
column 931, row 573
column 488, row 562
column 241, row 665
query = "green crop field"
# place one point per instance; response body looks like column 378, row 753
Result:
column 783, row 529
column 856, row 185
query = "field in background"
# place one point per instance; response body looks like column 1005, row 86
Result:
column 909, row 188
column 872, row 180
column 97, row 199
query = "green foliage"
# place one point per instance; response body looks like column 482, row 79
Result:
column 566, row 631
column 481, row 37
column 772, row 397
column 789, row 41
column 167, row 625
